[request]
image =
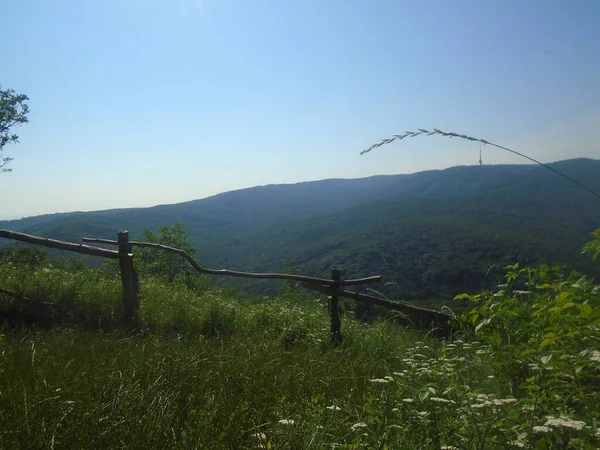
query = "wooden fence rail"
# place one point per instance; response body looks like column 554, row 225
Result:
column 233, row 273
column 61, row 245
column 332, row 286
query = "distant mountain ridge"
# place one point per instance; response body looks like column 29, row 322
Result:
column 432, row 233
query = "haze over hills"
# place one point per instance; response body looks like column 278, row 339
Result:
column 433, row 233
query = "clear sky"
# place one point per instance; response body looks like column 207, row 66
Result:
column 143, row 102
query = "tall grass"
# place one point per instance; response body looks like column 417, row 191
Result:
column 215, row 370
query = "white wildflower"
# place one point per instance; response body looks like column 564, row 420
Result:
column 541, row 429
column 379, row 380
column 493, row 402
column 448, row 447
column 503, row 401
column 389, row 378
column 441, row 400
column 595, row 356
column 358, row 425
column 334, row 408
column 408, row 400
column 564, row 422
column 260, row 436
column 287, row 422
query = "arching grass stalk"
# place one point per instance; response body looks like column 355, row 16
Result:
column 425, row 132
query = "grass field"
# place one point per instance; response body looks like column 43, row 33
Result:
column 214, row 369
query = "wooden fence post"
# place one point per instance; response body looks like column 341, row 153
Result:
column 129, row 278
column 336, row 335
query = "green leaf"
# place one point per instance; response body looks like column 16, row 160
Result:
column 482, row 323
column 424, row 395
column 585, row 310
column 546, row 358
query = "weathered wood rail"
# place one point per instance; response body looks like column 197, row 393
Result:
column 233, row 273
column 61, row 245
column 332, row 286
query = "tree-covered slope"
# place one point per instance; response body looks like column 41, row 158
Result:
column 432, row 233
column 448, row 236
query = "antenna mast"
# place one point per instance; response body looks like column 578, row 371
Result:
column 480, row 160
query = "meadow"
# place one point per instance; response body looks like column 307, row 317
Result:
column 212, row 368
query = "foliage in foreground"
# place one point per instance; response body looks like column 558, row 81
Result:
column 216, row 370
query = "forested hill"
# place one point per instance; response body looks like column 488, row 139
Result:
column 432, row 233
column 444, row 232
column 231, row 212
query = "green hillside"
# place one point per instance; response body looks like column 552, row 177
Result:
column 445, row 232
column 431, row 234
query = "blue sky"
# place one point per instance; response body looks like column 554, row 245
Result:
column 143, row 102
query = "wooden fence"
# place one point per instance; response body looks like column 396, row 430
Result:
column 333, row 286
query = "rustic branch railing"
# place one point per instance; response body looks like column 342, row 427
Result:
column 124, row 255
column 233, row 273
column 129, row 278
column 391, row 304
column 61, row 245
column 331, row 287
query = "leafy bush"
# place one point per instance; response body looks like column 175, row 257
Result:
column 593, row 247
column 543, row 329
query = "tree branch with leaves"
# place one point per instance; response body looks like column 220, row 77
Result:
column 593, row 247
column 13, row 112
